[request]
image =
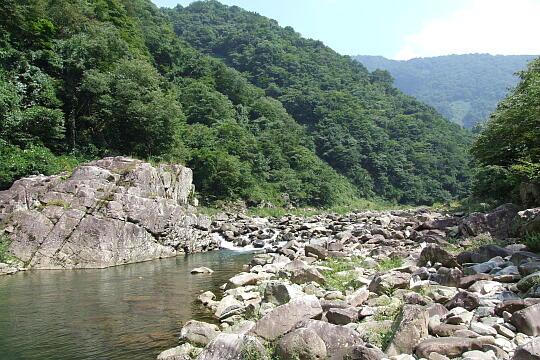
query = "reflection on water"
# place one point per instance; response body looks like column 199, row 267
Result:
column 126, row 312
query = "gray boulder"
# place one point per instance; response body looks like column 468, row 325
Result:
column 359, row 352
column 487, row 252
column 498, row 223
column 316, row 250
column 282, row 319
column 434, row 253
column 301, row 344
column 451, row 347
column 385, row 283
column 334, row 336
column 527, row 320
column 279, row 293
column 464, row 299
column 529, row 281
column 198, row 333
column 233, row 347
column 305, row 275
column 411, row 330
column 529, row 351
column 342, row 316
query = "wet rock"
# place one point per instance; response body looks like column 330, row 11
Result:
column 283, row 318
column 301, row 344
column 527, row 320
column 198, row 333
column 202, row 270
column 233, row 347
column 411, row 330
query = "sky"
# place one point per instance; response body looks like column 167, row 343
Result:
column 405, row 29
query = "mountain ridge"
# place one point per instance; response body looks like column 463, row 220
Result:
column 463, row 88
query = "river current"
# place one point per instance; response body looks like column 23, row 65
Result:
column 126, row 312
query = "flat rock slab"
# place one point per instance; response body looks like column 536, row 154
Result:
column 283, row 318
column 448, row 346
column 244, row 279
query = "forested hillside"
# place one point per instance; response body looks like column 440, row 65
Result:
column 463, row 88
column 293, row 122
column 388, row 144
column 508, row 147
column 83, row 79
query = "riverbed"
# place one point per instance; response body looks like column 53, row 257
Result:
column 127, row 312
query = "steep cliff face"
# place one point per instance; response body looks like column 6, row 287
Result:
column 108, row 212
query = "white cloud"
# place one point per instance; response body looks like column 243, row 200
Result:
column 505, row 27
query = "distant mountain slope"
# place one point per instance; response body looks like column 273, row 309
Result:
column 463, row 88
column 388, row 144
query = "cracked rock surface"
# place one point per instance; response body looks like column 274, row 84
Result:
column 108, row 212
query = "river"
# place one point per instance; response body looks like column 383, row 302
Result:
column 126, row 312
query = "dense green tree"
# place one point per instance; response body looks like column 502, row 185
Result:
column 508, row 147
column 360, row 124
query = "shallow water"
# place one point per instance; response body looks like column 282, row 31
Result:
column 127, row 312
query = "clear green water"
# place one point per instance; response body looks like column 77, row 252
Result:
column 126, row 312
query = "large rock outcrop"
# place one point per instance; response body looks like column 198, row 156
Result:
column 107, row 212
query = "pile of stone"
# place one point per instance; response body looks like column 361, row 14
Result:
column 447, row 297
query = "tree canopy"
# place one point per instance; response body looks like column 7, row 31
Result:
column 508, row 147
column 258, row 112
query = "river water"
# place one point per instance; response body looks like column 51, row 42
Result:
column 127, row 312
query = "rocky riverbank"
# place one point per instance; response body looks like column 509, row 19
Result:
column 375, row 285
column 108, row 212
